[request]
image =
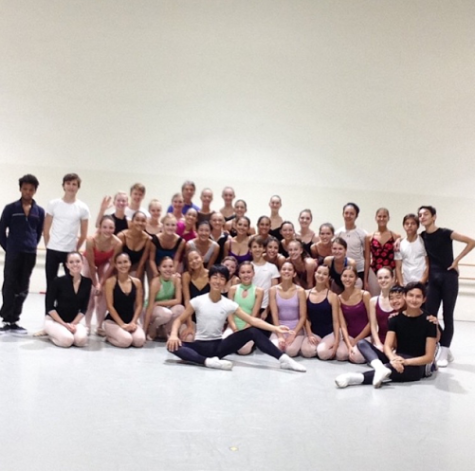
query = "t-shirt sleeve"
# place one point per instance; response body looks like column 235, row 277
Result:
column 274, row 272
column 397, row 255
column 392, row 323
column 51, row 207
column 85, row 213
column 194, row 303
column 231, row 306
column 431, row 330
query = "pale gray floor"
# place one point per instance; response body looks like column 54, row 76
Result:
column 103, row 408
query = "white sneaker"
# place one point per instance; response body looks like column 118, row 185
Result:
column 380, row 374
column 287, row 363
column 443, row 360
column 450, row 357
column 218, row 364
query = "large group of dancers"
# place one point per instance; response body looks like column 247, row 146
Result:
column 209, row 283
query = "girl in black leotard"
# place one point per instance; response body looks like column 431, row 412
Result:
column 227, row 210
column 276, row 220
column 240, row 209
column 124, row 300
column 323, row 324
column 337, row 262
column 136, row 244
column 121, row 201
column 217, row 234
column 166, row 244
column 287, row 231
column 306, row 235
column 304, row 265
column 323, row 248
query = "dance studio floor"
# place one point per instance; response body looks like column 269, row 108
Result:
column 103, row 408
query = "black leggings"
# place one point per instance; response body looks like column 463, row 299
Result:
column 199, row 350
column 370, row 352
column 443, row 288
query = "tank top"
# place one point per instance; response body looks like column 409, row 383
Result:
column 161, row 252
column 320, row 316
column 100, row 258
column 240, row 258
column 288, row 310
column 282, row 249
column 194, row 291
column 134, row 255
column 382, row 320
column 334, row 275
column 123, row 303
column 207, row 255
column 382, row 255
column 356, row 318
column 120, row 224
column 246, row 304
column 220, row 241
column 167, row 290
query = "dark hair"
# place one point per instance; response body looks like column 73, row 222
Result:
column 261, row 218
column 106, row 217
column 415, row 285
column 204, row 223
column 244, row 217
column 219, row 270
column 329, row 225
column 271, row 239
column 411, row 216
column 287, row 261
column 355, row 206
column 73, row 252
column 139, row 212
column 340, row 241
column 350, row 268
column 396, row 289
column 117, row 255
column 164, row 259
column 431, row 209
column 388, row 268
column 70, row 177
column 28, row 179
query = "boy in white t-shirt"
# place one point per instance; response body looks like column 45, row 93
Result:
column 65, row 218
column 212, row 310
column 265, row 274
column 412, row 263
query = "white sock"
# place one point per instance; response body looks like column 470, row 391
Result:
column 349, row 379
column 287, row 363
column 381, row 373
column 375, row 364
column 218, row 364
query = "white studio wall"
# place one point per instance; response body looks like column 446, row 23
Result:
column 320, row 102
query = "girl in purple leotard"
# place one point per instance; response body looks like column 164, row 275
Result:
column 354, row 309
column 288, row 307
column 238, row 246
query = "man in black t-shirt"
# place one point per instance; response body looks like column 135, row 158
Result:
column 443, row 274
column 409, row 346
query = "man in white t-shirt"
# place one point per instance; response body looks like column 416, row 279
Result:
column 354, row 236
column 212, row 310
column 65, row 218
column 412, row 263
column 137, row 194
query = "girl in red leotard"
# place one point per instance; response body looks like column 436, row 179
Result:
column 379, row 251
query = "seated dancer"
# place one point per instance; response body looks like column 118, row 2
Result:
column 66, row 303
column 212, row 310
column 409, row 346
